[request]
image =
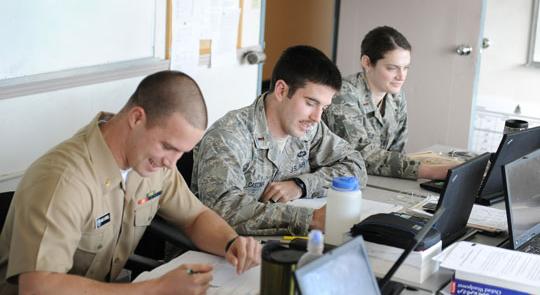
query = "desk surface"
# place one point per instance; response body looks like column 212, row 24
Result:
column 383, row 189
column 406, row 193
column 399, row 185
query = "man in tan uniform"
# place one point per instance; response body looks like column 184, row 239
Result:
column 81, row 209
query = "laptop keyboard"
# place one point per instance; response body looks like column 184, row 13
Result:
column 533, row 246
column 534, row 249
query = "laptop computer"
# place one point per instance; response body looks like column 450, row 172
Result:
column 512, row 146
column 458, row 195
column 346, row 269
column 522, row 197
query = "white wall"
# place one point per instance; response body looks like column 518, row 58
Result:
column 505, row 80
column 31, row 125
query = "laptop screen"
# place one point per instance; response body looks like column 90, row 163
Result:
column 512, row 146
column 344, row 270
column 522, row 184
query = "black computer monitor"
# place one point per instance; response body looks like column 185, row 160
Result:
column 512, row 146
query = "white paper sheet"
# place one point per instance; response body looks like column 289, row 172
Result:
column 223, row 46
column 482, row 217
column 185, row 37
column 251, row 15
column 225, row 280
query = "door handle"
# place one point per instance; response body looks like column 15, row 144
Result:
column 464, row 50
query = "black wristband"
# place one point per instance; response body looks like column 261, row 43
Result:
column 229, row 243
column 301, row 185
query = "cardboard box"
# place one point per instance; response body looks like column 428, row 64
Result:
column 418, row 266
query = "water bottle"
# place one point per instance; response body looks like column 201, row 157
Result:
column 315, row 247
column 343, row 208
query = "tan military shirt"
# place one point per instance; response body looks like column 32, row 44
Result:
column 237, row 158
column 380, row 138
column 73, row 214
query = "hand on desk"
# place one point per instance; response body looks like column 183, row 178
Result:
column 281, row 191
column 434, row 171
column 244, row 253
column 187, row 279
column 318, row 220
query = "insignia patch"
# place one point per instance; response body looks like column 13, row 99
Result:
column 149, row 196
column 102, row 220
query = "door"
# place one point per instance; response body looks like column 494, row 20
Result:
column 440, row 88
column 289, row 23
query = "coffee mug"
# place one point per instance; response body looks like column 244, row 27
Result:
column 277, row 268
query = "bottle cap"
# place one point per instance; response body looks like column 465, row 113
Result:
column 345, row 183
column 315, row 240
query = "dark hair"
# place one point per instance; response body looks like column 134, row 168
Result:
column 300, row 64
column 166, row 92
column 380, row 40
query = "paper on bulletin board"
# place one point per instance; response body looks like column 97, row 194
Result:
column 223, row 47
column 185, row 38
column 251, row 14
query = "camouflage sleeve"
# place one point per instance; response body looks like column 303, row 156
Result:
column 331, row 156
column 410, row 167
column 219, row 181
column 400, row 138
column 346, row 120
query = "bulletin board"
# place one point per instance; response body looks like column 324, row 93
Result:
column 204, row 44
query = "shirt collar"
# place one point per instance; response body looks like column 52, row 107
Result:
column 261, row 134
column 105, row 166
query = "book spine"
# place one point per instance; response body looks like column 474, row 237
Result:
column 463, row 287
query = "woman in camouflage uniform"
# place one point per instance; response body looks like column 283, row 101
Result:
column 371, row 110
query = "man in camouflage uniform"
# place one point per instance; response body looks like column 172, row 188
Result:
column 255, row 159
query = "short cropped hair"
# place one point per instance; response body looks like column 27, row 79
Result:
column 380, row 40
column 300, row 64
column 167, row 92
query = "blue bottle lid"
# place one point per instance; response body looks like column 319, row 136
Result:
column 345, row 183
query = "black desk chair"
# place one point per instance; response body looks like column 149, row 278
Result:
column 5, row 201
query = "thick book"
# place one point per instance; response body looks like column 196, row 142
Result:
column 464, row 287
column 495, row 267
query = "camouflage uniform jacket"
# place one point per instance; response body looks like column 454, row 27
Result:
column 237, row 159
column 380, row 139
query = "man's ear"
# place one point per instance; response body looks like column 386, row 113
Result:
column 281, row 90
column 136, row 117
